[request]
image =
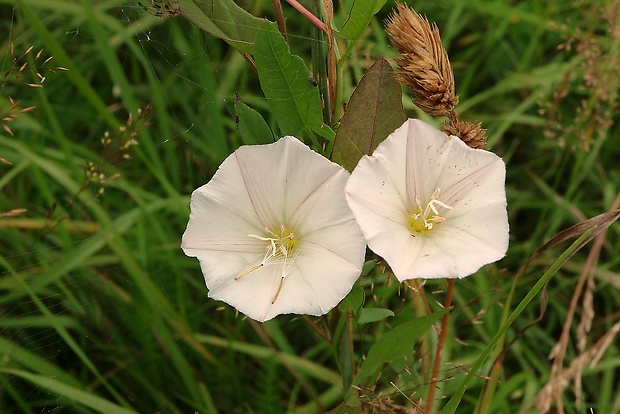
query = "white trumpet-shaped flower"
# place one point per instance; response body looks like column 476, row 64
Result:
column 429, row 205
column 273, row 232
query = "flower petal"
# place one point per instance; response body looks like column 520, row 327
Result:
column 214, row 226
column 426, row 151
column 278, row 179
column 406, row 169
column 470, row 176
column 374, row 188
column 326, row 275
column 252, row 294
column 312, row 215
column 322, row 273
column 280, row 184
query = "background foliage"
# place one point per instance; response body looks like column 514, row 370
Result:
column 100, row 311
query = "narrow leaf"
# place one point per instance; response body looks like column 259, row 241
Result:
column 87, row 399
column 284, row 79
column 359, row 17
column 223, row 19
column 251, row 125
column 368, row 315
column 374, row 111
column 601, row 222
column 395, row 345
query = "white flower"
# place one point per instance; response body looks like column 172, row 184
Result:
column 429, row 205
column 273, row 232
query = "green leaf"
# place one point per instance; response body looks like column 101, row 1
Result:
column 284, row 78
column 395, row 345
column 359, row 17
column 368, row 266
column 354, row 300
column 374, row 111
column 223, row 19
column 251, row 125
column 324, row 131
column 87, row 399
column 368, row 315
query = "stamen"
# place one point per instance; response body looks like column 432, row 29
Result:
column 278, row 291
column 422, row 220
column 248, row 271
column 280, row 250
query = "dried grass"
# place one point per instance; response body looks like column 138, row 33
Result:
column 561, row 377
column 424, row 64
column 425, row 69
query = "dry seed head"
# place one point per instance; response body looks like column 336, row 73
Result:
column 13, row 213
column 470, row 133
column 424, row 64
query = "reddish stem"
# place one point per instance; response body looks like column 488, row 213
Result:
column 301, row 9
column 441, row 340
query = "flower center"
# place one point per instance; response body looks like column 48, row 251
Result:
column 424, row 218
column 281, row 248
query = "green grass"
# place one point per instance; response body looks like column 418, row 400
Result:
column 100, row 310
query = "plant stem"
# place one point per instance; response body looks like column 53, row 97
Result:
column 442, row 339
column 332, row 73
column 308, row 15
column 277, row 8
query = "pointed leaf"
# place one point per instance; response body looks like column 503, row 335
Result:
column 284, row 79
column 87, row 399
column 359, row 17
column 354, row 300
column 251, row 125
column 395, row 345
column 223, row 19
column 368, row 315
column 374, row 111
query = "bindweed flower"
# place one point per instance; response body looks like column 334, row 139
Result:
column 273, row 232
column 429, row 205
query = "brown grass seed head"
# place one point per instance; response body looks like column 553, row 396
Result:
column 424, row 64
column 470, row 133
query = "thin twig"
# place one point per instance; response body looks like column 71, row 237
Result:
column 277, row 8
column 308, row 15
column 442, row 339
column 324, row 334
column 331, row 58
